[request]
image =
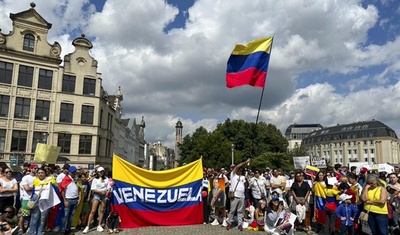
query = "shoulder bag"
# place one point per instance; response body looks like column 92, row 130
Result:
column 364, row 215
column 231, row 194
column 34, row 199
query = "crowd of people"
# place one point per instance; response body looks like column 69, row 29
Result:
column 337, row 199
column 84, row 197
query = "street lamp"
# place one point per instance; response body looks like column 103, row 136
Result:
column 233, row 152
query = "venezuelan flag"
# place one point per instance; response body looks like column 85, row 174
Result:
column 157, row 198
column 248, row 64
column 320, row 200
column 312, row 171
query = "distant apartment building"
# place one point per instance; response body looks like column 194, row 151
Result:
column 44, row 102
column 367, row 141
column 159, row 157
column 295, row 133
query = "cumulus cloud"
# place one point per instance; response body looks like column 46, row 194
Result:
column 180, row 74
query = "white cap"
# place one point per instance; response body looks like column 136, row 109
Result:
column 344, row 197
column 100, row 169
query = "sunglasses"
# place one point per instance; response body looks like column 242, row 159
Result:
column 7, row 172
column 8, row 212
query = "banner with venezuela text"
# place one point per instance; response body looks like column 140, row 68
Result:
column 157, row 198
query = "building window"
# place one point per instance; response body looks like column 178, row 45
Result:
column 365, row 151
column 25, row 76
column 29, row 42
column 42, row 110
column 89, row 86
column 366, row 159
column 64, row 141
column 38, row 137
column 18, row 141
column 45, row 79
column 85, row 144
column 2, row 139
column 4, row 105
column 6, row 70
column 355, row 151
column 66, row 112
column 22, row 107
column 373, row 160
column 349, row 151
column 87, row 114
column 109, row 122
column 372, row 151
column 68, row 84
column 101, row 118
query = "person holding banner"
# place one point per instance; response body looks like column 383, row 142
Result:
column 238, row 187
column 216, row 199
column 38, row 218
column 100, row 189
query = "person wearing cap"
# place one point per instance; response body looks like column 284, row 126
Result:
column 375, row 198
column 71, row 197
column 362, row 176
column 257, row 187
column 100, row 189
column 346, row 212
column 274, row 209
column 64, row 172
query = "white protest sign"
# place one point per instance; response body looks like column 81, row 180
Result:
column 301, row 162
column 318, row 162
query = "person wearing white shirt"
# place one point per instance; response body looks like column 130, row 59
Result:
column 71, row 197
column 257, row 187
column 100, row 188
column 238, row 182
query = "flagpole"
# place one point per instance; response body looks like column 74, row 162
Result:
column 259, row 107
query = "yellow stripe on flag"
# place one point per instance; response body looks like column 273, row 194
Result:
column 131, row 174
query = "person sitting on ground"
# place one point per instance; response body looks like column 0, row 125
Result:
column 259, row 220
column 112, row 223
column 9, row 220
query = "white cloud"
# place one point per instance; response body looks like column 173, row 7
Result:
column 181, row 74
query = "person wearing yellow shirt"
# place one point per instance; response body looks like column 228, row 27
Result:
column 375, row 198
column 38, row 218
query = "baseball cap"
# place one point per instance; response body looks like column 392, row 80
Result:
column 268, row 169
column 344, row 197
column 66, row 166
column 33, row 166
column 72, row 169
column 100, row 168
column 275, row 198
column 363, row 169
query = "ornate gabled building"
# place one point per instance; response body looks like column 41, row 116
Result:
column 367, row 141
column 44, row 102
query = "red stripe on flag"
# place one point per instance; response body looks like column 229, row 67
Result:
column 131, row 218
column 251, row 76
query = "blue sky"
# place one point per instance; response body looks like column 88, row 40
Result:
column 332, row 61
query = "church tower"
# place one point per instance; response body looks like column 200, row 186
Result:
column 178, row 135
column 178, row 140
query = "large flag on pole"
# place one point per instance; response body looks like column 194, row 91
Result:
column 157, row 198
column 248, row 64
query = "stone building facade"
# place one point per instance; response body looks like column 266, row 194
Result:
column 44, row 102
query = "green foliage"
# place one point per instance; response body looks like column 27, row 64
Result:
column 268, row 144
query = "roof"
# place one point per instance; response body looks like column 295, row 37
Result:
column 302, row 128
column 356, row 130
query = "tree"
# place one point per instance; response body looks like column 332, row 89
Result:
column 215, row 147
